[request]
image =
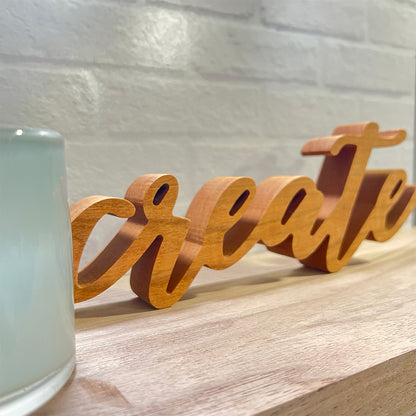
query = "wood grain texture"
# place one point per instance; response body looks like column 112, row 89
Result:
column 320, row 224
column 263, row 337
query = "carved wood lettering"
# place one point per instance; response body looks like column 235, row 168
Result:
column 321, row 224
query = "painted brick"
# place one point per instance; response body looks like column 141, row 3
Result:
column 245, row 51
column 200, row 89
column 411, row 3
column 94, row 32
column 391, row 114
column 395, row 157
column 161, row 106
column 64, row 101
column 392, row 23
column 303, row 114
column 109, row 168
column 258, row 161
column 233, row 7
column 388, row 113
column 333, row 18
column 363, row 68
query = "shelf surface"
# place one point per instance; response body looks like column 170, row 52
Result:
column 266, row 336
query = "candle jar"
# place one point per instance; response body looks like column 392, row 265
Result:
column 37, row 348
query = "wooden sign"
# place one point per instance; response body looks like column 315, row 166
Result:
column 321, row 224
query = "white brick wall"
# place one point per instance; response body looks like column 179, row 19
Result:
column 204, row 88
column 367, row 68
column 327, row 17
column 139, row 104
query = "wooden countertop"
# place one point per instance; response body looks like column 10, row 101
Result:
column 266, row 336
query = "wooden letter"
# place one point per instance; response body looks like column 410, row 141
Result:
column 320, row 224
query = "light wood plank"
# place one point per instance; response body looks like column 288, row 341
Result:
column 266, row 336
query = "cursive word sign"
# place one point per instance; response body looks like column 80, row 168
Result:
column 321, row 224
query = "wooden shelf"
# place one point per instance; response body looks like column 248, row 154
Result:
column 266, row 336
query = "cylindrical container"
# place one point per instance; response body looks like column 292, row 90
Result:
column 37, row 348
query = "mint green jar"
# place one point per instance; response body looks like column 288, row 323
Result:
column 37, row 350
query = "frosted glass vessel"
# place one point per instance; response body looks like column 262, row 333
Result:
column 36, row 302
